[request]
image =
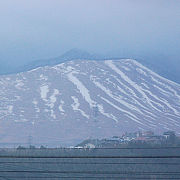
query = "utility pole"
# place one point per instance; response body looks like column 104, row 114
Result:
column 30, row 139
column 95, row 112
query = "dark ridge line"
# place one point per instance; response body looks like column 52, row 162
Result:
column 131, row 148
column 124, row 148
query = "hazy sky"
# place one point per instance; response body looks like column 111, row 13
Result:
column 35, row 29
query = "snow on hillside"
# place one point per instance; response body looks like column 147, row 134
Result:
column 80, row 99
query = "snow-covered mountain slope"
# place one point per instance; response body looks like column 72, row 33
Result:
column 79, row 99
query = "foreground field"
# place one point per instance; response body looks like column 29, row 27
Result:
column 122, row 163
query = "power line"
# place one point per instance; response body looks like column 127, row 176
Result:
column 91, row 172
column 81, row 177
column 88, row 163
column 88, row 157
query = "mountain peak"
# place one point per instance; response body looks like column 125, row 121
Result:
column 76, row 53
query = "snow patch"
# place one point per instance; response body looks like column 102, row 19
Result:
column 82, row 89
column 61, row 107
column 76, row 105
column 44, row 91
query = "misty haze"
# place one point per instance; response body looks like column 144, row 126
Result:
column 90, row 89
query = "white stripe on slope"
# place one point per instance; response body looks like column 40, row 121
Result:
column 171, row 90
column 124, row 111
column 85, row 93
column 109, row 93
column 132, row 92
column 129, row 81
column 76, row 105
column 153, row 73
column 163, row 101
column 82, row 89
column 161, row 78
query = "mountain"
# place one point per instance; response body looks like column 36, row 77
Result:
column 76, row 100
column 167, row 66
column 72, row 54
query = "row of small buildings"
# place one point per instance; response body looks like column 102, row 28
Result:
column 143, row 137
column 148, row 137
